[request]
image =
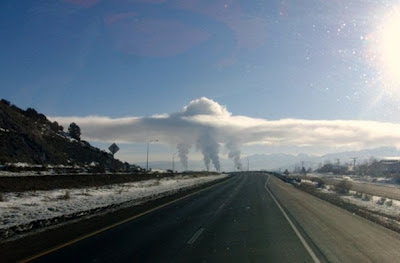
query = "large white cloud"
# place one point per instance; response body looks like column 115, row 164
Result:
column 206, row 124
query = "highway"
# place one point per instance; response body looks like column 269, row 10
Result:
column 234, row 221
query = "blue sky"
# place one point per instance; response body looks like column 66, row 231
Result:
column 263, row 59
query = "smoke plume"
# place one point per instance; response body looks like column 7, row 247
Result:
column 234, row 154
column 209, row 148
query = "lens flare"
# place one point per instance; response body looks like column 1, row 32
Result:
column 384, row 51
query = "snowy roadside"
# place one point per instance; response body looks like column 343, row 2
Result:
column 362, row 179
column 381, row 210
column 379, row 204
column 20, row 212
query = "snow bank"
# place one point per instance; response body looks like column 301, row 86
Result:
column 23, row 208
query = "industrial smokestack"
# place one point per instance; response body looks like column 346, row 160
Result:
column 183, row 151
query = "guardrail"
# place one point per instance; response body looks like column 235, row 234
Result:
column 283, row 177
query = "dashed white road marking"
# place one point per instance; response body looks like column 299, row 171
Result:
column 46, row 252
column 195, row 236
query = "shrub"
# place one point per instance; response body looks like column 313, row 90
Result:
column 342, row 187
column 389, row 203
column 1, row 197
column 381, row 201
column 366, row 197
column 74, row 131
column 54, row 126
column 319, row 181
column 6, row 102
column 65, row 196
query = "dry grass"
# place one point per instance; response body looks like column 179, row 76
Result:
column 65, row 196
column 85, row 192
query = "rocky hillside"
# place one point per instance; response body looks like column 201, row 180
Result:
column 29, row 137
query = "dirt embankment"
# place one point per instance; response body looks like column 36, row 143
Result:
column 48, row 182
column 369, row 188
column 36, row 183
column 339, row 235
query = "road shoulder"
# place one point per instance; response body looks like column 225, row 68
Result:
column 339, row 235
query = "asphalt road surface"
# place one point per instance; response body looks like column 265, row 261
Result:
column 338, row 234
column 234, row 221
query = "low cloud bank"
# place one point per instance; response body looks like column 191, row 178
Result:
column 208, row 126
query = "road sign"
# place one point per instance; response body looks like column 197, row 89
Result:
column 113, row 148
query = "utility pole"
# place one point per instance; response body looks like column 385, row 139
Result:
column 248, row 164
column 303, row 170
column 147, row 160
column 173, row 162
column 354, row 163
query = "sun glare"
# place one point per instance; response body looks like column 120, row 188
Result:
column 385, row 51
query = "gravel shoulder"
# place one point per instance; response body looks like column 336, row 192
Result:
column 338, row 234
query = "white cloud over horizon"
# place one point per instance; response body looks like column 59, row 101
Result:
column 205, row 124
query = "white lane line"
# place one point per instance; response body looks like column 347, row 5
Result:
column 303, row 241
column 195, row 236
column 219, row 208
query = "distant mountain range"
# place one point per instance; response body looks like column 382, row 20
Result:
column 290, row 161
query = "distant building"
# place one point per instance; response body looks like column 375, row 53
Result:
column 390, row 166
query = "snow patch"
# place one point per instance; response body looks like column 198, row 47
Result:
column 23, row 208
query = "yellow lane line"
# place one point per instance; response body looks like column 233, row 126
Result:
column 114, row 225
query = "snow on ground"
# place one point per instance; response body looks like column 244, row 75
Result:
column 377, row 180
column 377, row 204
column 26, row 173
column 23, row 208
column 49, row 172
column 370, row 202
column 304, row 181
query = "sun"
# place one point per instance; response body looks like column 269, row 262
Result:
column 384, row 50
column 391, row 44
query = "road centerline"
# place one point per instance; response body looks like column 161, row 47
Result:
column 195, row 236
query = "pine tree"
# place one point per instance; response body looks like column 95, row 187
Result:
column 74, row 131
